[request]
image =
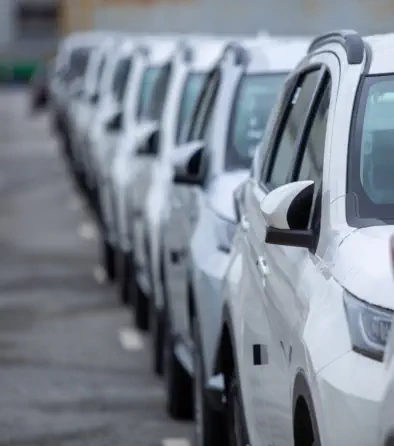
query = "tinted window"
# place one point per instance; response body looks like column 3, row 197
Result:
column 293, row 125
column 371, row 160
column 78, row 62
column 156, row 104
column 251, row 109
column 312, row 161
column 121, row 75
column 191, row 92
column 149, row 79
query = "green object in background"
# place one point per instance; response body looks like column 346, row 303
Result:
column 18, row 71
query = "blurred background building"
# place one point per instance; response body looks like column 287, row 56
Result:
column 30, row 29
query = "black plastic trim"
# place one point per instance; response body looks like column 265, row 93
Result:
column 351, row 41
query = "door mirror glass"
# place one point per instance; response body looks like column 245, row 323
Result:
column 286, row 211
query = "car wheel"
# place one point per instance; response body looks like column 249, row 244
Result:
column 156, row 322
column 209, row 424
column 178, row 382
column 108, row 260
column 137, row 298
column 123, row 279
column 236, row 428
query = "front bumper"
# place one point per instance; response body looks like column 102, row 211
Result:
column 347, row 395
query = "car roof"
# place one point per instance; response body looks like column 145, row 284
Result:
column 206, row 51
column 160, row 49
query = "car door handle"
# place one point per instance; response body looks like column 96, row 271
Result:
column 244, row 223
column 262, row 266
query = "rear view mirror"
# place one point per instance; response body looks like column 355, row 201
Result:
column 193, row 169
column 286, row 211
column 115, row 123
column 152, row 145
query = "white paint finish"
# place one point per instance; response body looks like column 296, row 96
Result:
column 99, row 274
column 175, row 442
column 87, row 231
column 130, row 339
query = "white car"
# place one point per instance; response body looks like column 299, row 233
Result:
column 102, row 136
column 150, row 71
column 249, row 105
column 192, row 64
column 386, row 428
column 308, row 294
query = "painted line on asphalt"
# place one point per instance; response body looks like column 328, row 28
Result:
column 87, row 231
column 130, row 339
column 99, row 274
column 175, row 442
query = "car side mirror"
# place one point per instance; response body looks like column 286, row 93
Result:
column 151, row 146
column 193, row 169
column 94, row 98
column 77, row 88
column 286, row 211
column 115, row 123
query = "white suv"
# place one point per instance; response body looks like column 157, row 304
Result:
column 308, row 294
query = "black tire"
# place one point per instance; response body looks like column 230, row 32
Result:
column 138, row 300
column 108, row 260
column 156, row 322
column 209, row 424
column 123, row 270
column 179, row 395
column 236, row 427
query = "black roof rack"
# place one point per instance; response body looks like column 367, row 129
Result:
column 351, row 41
column 240, row 52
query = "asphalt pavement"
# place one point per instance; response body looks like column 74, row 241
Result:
column 73, row 370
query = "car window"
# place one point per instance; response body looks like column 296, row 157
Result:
column 159, row 93
column 147, row 90
column 119, row 81
column 191, row 92
column 78, row 62
column 203, row 111
column 294, row 119
column 250, row 112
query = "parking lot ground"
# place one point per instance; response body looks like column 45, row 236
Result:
column 73, row 371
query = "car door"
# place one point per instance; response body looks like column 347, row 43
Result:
column 279, row 268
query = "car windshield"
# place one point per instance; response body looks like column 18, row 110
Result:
column 78, row 62
column 252, row 105
column 191, row 92
column 148, row 89
column 120, row 78
column 371, row 161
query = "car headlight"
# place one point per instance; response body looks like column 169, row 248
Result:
column 369, row 326
column 224, row 231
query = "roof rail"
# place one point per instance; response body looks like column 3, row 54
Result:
column 240, row 52
column 350, row 40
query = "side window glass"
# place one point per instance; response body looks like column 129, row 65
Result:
column 203, row 110
column 293, row 124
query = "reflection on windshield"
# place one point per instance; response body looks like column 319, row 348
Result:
column 251, row 109
column 191, row 92
column 149, row 80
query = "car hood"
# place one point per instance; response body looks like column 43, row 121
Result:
column 220, row 194
column 363, row 266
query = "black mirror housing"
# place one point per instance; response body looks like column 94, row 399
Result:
column 194, row 172
column 115, row 124
column 152, row 145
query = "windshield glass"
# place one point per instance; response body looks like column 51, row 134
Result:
column 146, row 93
column 121, row 75
column 252, row 106
column 371, row 160
column 78, row 63
column 191, row 93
